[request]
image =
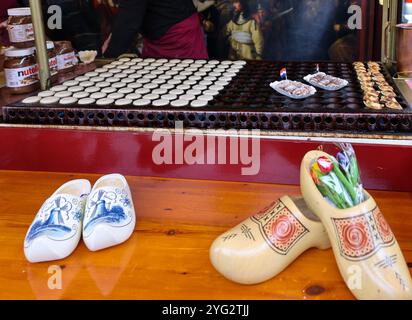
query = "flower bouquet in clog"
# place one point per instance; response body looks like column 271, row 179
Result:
column 338, row 178
column 365, row 248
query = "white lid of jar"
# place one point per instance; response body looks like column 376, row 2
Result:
column 92, row 89
column 205, row 97
column 49, row 45
column 168, row 97
column 19, row 12
column 151, row 96
column 14, row 52
column 71, row 83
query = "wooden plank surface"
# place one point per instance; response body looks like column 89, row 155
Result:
column 167, row 256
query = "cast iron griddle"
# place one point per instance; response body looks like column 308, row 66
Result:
column 247, row 102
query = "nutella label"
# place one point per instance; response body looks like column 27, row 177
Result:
column 53, row 65
column 21, row 33
column 66, row 60
column 21, row 77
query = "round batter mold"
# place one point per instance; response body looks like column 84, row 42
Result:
column 47, row 93
column 167, row 86
column 97, row 79
column 150, row 86
column 103, row 84
column 188, row 97
column 120, row 75
column 165, row 77
column 118, row 85
column 143, row 80
column 109, row 90
column 86, row 84
column 198, row 103
column 159, row 91
column 92, row 89
column 82, row 78
column 133, row 96
column 169, row 97
column 194, row 92
column 92, row 74
column 32, row 100
column 160, row 103
column 174, row 82
column 58, row 88
column 151, row 96
column 142, row 91
column 98, row 95
column 75, row 89
column 205, row 98
column 104, row 102
column 195, row 78
column 81, row 95
column 135, row 85
column 49, row 100
column 123, row 102
column 127, row 80
column 126, row 90
column 177, row 92
column 205, row 83
column 141, row 102
column 71, row 83
column 179, row 103
column 199, row 87
column 86, row 101
column 63, row 94
column 68, row 101
column 159, row 81
column 184, row 87
column 116, row 71
column 115, row 95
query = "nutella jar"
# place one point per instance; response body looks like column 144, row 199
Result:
column 52, row 60
column 66, row 58
column 20, row 28
column 21, row 70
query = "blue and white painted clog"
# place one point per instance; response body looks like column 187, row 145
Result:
column 55, row 231
column 109, row 215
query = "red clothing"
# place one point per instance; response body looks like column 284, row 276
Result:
column 4, row 5
column 184, row 40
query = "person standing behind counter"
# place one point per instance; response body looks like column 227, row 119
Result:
column 170, row 29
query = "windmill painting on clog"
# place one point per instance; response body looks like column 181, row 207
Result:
column 109, row 217
column 56, row 229
column 365, row 248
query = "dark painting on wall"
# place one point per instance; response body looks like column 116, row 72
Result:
column 281, row 30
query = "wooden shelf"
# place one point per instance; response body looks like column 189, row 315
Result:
column 167, row 256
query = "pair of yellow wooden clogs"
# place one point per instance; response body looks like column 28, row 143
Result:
column 362, row 241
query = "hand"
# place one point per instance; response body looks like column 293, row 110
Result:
column 3, row 24
column 106, row 44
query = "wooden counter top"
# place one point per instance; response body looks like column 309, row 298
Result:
column 167, row 256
